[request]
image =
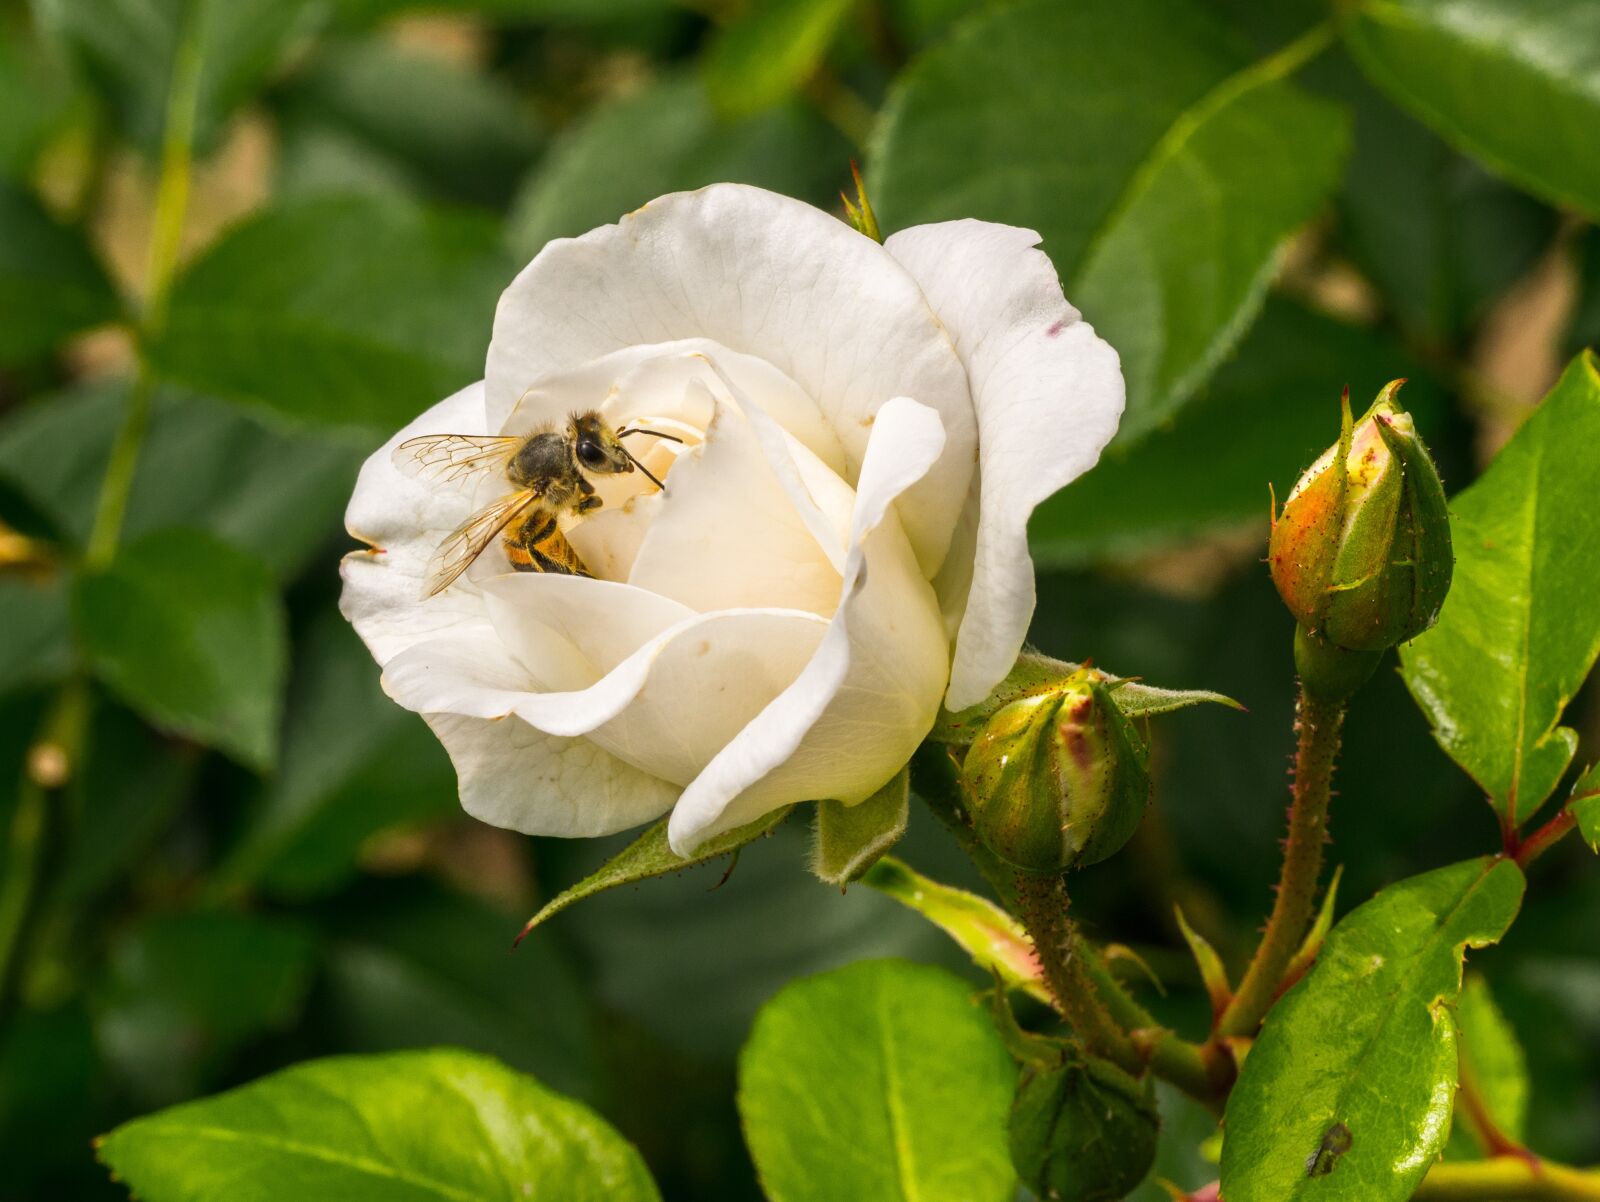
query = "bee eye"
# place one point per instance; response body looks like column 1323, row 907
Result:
column 590, row 455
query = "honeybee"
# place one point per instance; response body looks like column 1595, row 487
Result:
column 546, row 473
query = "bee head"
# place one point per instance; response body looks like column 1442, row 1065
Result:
column 595, row 446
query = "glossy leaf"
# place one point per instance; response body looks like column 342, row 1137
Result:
column 1513, row 83
column 51, row 284
column 1034, row 673
column 277, row 495
column 769, row 51
column 1263, row 418
column 445, row 130
column 1162, row 205
column 184, row 990
column 354, row 764
column 851, row 838
column 344, row 310
column 408, row 963
column 672, row 141
column 650, row 856
column 1347, row 1092
column 366, row 1129
column 996, row 942
column 1519, row 631
column 189, row 631
column 880, row 1082
column 127, row 49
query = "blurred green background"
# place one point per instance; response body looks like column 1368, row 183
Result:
column 261, row 859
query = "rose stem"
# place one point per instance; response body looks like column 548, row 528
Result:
column 1318, row 721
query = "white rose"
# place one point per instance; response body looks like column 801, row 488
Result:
column 840, row 546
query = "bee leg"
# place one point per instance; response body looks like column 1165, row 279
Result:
column 589, row 502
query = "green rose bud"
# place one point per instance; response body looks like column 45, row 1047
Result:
column 1361, row 552
column 1058, row 779
column 1082, row 1131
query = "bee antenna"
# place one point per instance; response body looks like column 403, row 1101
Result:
column 648, row 474
column 653, row 433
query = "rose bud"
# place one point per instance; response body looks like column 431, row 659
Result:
column 1058, row 779
column 1083, row 1131
column 1362, row 556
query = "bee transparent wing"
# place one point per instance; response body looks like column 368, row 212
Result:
column 468, row 540
column 456, row 459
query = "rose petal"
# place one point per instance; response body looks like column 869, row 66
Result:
column 649, row 381
column 514, row 776
column 760, row 274
column 855, row 714
column 1049, row 394
column 404, row 520
column 730, row 536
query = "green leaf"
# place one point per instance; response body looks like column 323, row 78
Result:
column 1519, row 631
column 1162, row 205
column 51, row 284
column 1034, row 673
column 127, row 49
column 1263, row 418
column 189, row 631
column 1493, row 1062
column 37, row 648
column 344, row 310
column 764, row 56
column 408, row 964
column 448, row 131
column 442, row 1124
column 880, row 1082
column 575, row 12
column 1510, row 82
column 1585, row 805
column 354, row 764
column 185, row 990
column 1440, row 237
column 278, row 495
column 996, row 942
column 850, row 839
column 650, row 856
column 34, row 101
column 671, row 141
column 1347, row 1092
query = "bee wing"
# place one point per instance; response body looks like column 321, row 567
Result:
column 454, row 458
column 468, row 540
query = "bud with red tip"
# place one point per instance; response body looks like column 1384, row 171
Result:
column 1361, row 552
column 1058, row 779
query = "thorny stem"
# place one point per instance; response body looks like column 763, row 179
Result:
column 1188, row 1066
column 55, row 758
column 1059, row 947
column 1318, row 720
